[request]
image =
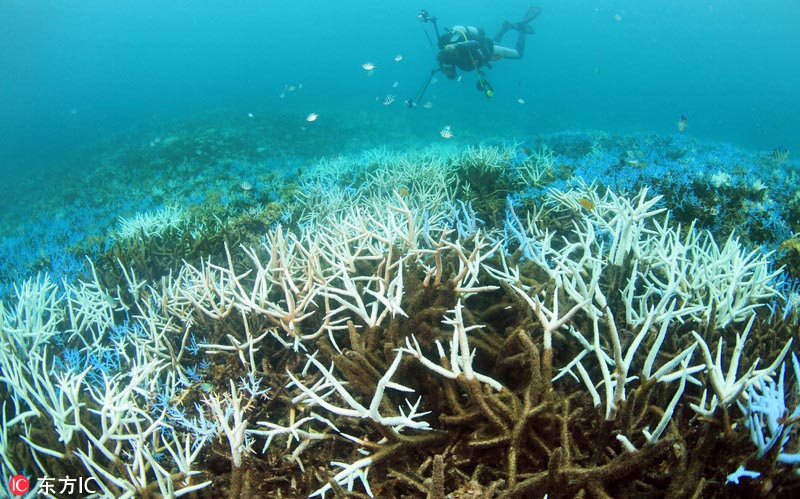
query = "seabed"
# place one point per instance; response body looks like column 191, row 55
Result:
column 575, row 314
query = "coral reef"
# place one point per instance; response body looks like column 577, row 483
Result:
column 433, row 323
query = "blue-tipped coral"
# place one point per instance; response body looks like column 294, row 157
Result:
column 768, row 418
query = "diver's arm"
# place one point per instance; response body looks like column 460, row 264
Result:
column 465, row 45
column 449, row 70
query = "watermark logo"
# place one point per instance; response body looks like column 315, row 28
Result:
column 66, row 486
column 19, row 485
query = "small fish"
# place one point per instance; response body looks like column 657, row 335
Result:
column 388, row 99
column 282, row 95
column 403, row 191
column 398, row 58
column 434, row 80
column 249, row 115
column 312, row 117
column 682, row 123
column 427, row 104
column 446, row 132
column 395, row 84
column 290, row 88
column 587, row 204
column 521, row 100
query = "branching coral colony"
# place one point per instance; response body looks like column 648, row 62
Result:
column 396, row 346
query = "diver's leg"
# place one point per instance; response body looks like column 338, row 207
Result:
column 520, row 44
column 503, row 29
column 521, row 26
column 501, row 52
column 522, row 29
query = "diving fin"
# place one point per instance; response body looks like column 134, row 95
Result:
column 532, row 13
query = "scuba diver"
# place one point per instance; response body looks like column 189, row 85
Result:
column 468, row 48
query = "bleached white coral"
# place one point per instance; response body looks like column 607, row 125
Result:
column 151, row 223
column 720, row 179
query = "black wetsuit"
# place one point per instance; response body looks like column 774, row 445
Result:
column 471, row 50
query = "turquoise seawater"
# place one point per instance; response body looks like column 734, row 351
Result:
column 235, row 237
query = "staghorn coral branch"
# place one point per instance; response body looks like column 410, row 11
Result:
column 460, row 354
column 727, row 387
column 469, row 266
column 550, row 321
column 229, row 413
column 239, row 347
column 356, row 409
